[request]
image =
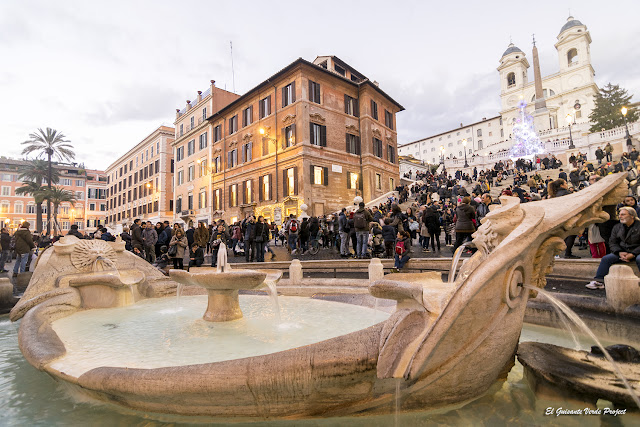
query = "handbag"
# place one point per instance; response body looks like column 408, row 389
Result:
column 260, row 238
column 173, row 251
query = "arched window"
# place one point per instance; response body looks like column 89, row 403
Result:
column 511, row 79
column 572, row 56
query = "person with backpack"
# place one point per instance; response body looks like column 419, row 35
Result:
column 292, row 228
column 402, row 250
column 361, row 220
column 23, row 246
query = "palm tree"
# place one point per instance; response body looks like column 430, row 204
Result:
column 39, row 193
column 36, row 172
column 58, row 195
column 53, row 144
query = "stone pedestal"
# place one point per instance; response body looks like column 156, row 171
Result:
column 622, row 287
column 6, row 292
column 376, row 270
column 295, row 272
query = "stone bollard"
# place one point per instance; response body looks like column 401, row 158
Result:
column 295, row 272
column 6, row 291
column 376, row 270
column 622, row 288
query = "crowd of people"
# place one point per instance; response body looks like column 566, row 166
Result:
column 437, row 205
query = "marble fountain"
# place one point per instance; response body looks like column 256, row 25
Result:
column 445, row 344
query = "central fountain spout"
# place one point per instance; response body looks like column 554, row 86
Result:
column 222, row 285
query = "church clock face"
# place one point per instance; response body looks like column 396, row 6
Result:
column 577, row 106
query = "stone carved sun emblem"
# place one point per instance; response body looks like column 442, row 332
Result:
column 93, row 255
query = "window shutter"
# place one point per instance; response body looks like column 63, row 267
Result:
column 323, row 136
column 293, row 91
column 295, row 180
column 325, row 178
column 284, row 138
column 346, row 138
column 311, row 133
column 346, row 103
column 271, row 187
column 261, row 109
column 293, row 133
column 373, row 111
column 244, row 150
column 251, row 114
column 251, row 198
column 311, row 174
column 244, row 118
column 230, row 205
column 356, row 108
column 284, row 96
column 311, row 91
column 230, row 128
column 244, row 192
column 260, row 192
column 268, row 110
column 349, row 180
column 250, row 152
column 285, row 184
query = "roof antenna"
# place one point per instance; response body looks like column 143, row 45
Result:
column 233, row 78
column 534, row 39
column 510, row 39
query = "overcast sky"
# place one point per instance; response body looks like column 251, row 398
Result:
column 108, row 73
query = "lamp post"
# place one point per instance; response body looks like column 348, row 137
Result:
column 624, row 110
column 464, row 144
column 569, row 121
column 444, row 168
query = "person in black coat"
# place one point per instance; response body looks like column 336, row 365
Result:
column 431, row 220
column 196, row 256
column 260, row 237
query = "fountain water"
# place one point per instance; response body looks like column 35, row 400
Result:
column 273, row 294
column 578, row 322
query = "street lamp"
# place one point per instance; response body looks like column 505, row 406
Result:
column 569, row 121
column 444, row 168
column 624, row 110
column 464, row 144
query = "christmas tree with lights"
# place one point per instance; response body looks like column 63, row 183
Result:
column 526, row 142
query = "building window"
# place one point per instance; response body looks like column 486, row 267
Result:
column 289, row 94
column 217, row 164
column 217, row 199
column 353, row 181
column 6, row 190
column 233, row 195
column 17, row 207
column 339, row 70
column 265, row 188
column 247, row 150
column 479, row 132
column 511, row 79
column 204, row 114
column 247, row 116
column 180, row 178
column 501, row 133
column 179, row 153
column 203, row 167
column 80, row 183
column 31, row 209
column 264, row 107
column 572, row 56
column 479, row 144
column 80, row 195
column 191, row 173
column 190, row 201
column 391, row 153
column 217, row 133
column 202, row 199
column 289, row 135
column 66, row 181
column 578, row 114
column 318, row 134
column 314, row 92
column 290, row 181
column 392, row 185
column 178, row 205
column 233, row 124
column 247, row 192
column 350, row 106
column 377, row 147
column 191, row 147
column 378, row 181
column 374, row 109
column 203, row 141
column 232, row 159
column 319, row 175
column 353, row 144
column 388, row 119
column 4, row 207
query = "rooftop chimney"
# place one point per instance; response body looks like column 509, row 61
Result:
column 199, row 96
